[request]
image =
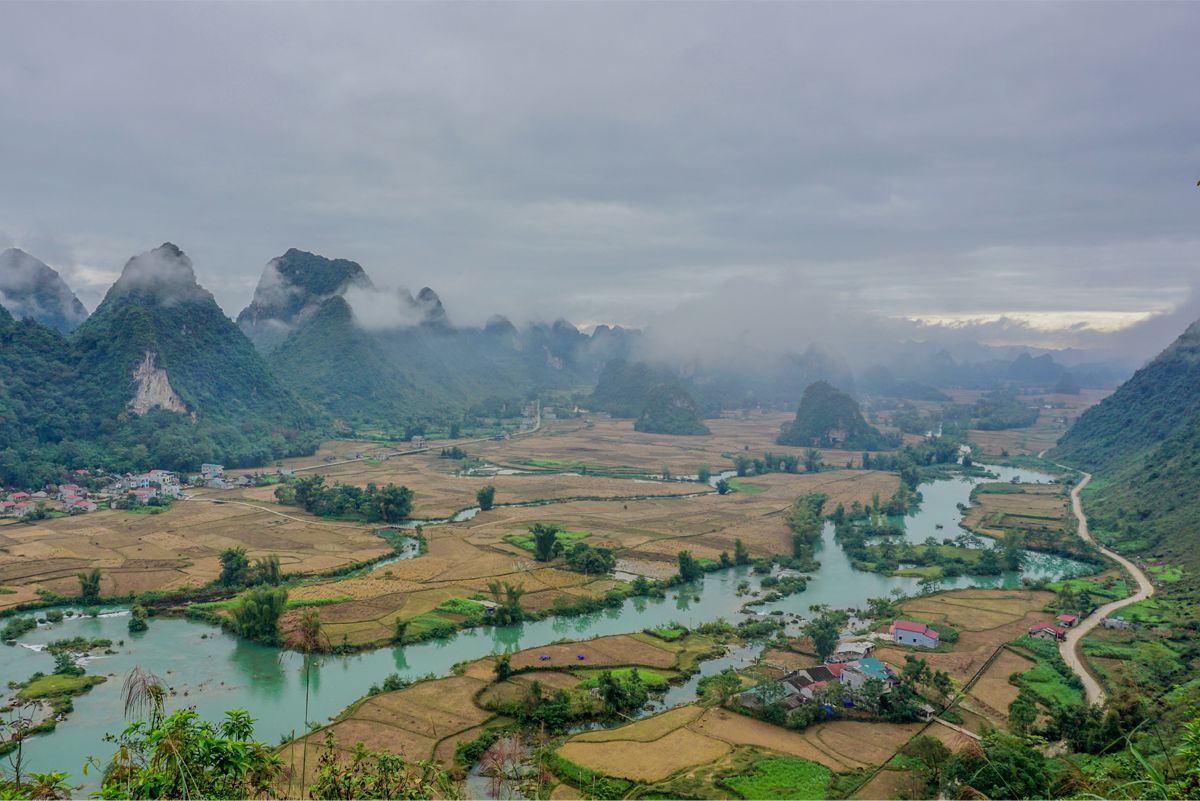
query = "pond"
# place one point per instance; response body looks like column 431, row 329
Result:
column 214, row 671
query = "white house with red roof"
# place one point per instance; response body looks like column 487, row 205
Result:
column 1067, row 620
column 907, row 632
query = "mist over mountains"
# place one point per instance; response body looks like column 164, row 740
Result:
column 159, row 375
column 31, row 288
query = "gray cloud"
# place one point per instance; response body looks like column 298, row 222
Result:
column 611, row 162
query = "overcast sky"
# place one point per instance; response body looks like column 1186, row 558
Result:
column 611, row 162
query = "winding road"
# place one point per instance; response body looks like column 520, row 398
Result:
column 1070, row 648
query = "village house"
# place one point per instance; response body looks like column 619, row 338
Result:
column 906, row 632
column 1068, row 621
column 212, row 470
column 418, row 442
column 80, row 506
column 1048, row 631
column 851, row 651
column 1119, row 623
column 855, row 674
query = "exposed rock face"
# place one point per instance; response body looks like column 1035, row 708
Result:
column 153, row 389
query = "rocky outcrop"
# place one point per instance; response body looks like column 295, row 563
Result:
column 153, row 389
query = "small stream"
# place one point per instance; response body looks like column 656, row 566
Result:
column 214, row 671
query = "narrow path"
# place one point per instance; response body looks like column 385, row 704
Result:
column 958, row 729
column 268, row 510
column 1071, row 647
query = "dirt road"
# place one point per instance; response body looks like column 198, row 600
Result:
column 1070, row 648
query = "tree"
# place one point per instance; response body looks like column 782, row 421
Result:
column 931, row 754
column 503, row 667
column 741, row 554
column 915, row 671
column 589, row 560
column 823, row 631
column 723, row 487
column 89, row 586
column 377, row 775
column 742, row 464
column 689, row 567
column 267, row 571
column 1001, row 766
column 485, row 497
column 182, row 756
column 704, row 474
column 545, row 541
column 812, row 460
column 1022, row 713
column 395, row 503
column 718, row 687
column 508, row 599
column 235, row 568
column 137, row 620
column 256, row 616
column 399, row 629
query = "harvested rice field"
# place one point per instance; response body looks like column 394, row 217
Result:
column 985, row 620
column 178, row 548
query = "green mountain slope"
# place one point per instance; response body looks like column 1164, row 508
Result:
column 656, row 398
column 157, row 377
column 1143, row 445
column 828, row 417
column 670, row 410
column 291, row 287
column 31, row 288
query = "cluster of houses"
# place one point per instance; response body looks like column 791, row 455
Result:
column 69, row 498
column 850, row 666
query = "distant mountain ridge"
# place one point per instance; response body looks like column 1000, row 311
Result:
column 368, row 356
column 31, row 288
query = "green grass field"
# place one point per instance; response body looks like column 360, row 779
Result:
column 1046, row 679
column 565, row 537
column 651, row 678
column 746, row 487
column 56, row 685
column 782, row 778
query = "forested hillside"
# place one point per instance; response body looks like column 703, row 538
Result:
column 657, row 398
column 828, row 417
column 157, row 377
column 1143, row 445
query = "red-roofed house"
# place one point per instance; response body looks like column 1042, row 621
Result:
column 1048, row 631
column 906, row 632
column 19, row 496
column 1068, row 620
column 79, row 507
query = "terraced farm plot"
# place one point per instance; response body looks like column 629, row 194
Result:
column 985, row 619
column 438, row 493
column 621, row 649
column 604, row 443
column 646, row 761
column 1036, row 508
column 177, row 548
